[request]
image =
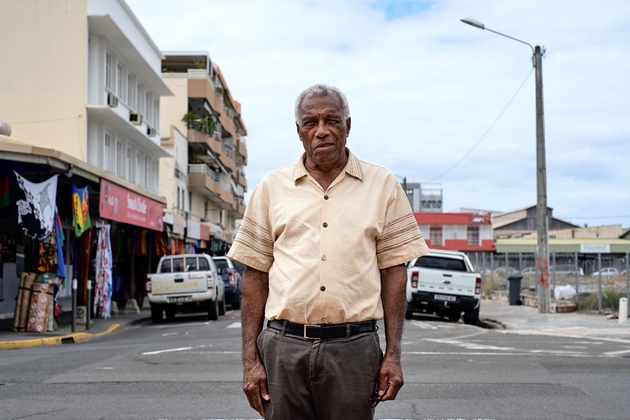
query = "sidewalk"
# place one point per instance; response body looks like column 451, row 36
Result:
column 10, row 339
column 513, row 319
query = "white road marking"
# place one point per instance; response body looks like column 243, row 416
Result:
column 167, row 351
column 106, row 368
column 234, row 325
column 470, row 346
column 614, row 353
column 567, row 352
column 424, row 325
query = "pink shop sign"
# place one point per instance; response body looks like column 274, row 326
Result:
column 123, row 205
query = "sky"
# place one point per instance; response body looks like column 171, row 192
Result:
column 431, row 98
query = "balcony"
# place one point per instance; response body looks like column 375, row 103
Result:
column 196, row 137
column 240, row 178
column 207, row 182
column 241, row 148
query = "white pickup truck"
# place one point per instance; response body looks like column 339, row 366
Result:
column 185, row 283
column 444, row 283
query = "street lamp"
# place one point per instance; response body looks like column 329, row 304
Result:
column 542, row 263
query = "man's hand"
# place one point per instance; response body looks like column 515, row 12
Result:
column 391, row 379
column 393, row 288
column 255, row 385
column 255, row 291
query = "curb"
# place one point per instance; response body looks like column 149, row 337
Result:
column 52, row 341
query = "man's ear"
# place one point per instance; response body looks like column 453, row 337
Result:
column 297, row 127
column 348, row 124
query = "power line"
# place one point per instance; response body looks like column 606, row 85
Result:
column 487, row 131
column 596, row 217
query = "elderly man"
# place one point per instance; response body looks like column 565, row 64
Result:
column 325, row 241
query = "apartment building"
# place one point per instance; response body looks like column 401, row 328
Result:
column 204, row 181
column 80, row 86
column 84, row 79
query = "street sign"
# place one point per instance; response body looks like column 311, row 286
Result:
column 595, row 248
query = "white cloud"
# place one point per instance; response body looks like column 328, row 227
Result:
column 424, row 88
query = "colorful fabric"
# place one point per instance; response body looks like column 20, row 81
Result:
column 47, row 261
column 35, row 204
column 5, row 198
column 61, row 263
column 38, row 313
column 80, row 210
column 103, row 263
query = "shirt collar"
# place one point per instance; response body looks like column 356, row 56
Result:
column 353, row 167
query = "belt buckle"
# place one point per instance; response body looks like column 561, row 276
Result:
column 306, row 336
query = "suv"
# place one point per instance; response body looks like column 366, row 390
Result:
column 231, row 272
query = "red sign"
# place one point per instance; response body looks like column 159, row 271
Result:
column 123, row 205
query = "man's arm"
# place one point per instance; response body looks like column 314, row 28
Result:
column 393, row 288
column 255, row 286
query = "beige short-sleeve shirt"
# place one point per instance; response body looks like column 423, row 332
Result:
column 323, row 249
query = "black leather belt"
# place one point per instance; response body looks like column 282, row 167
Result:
column 315, row 332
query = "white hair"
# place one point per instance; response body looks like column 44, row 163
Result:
column 322, row 90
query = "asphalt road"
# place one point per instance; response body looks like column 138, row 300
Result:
column 191, row 369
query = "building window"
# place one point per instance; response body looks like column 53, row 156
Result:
column 119, row 81
column 138, row 168
column 156, row 112
column 119, row 158
column 177, row 198
column 189, row 201
column 129, row 165
column 148, row 103
column 473, row 235
column 107, row 144
column 140, row 99
column 147, row 174
column 108, row 70
column 131, row 90
column 156, row 176
column 435, row 235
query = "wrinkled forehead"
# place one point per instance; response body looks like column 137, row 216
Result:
column 323, row 104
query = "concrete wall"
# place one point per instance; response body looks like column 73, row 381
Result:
column 173, row 108
column 43, row 74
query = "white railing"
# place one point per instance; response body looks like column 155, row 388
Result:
column 227, row 151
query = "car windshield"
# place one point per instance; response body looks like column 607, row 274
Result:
column 441, row 263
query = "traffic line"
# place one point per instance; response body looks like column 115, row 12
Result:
column 470, row 346
column 234, row 325
column 424, row 325
column 167, row 351
column 614, row 353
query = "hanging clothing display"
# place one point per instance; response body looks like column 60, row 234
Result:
column 59, row 238
column 36, row 206
column 103, row 268
column 5, row 199
column 80, row 210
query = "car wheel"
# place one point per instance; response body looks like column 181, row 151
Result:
column 409, row 311
column 222, row 307
column 213, row 310
column 170, row 314
column 236, row 304
column 454, row 316
column 156, row 314
column 471, row 317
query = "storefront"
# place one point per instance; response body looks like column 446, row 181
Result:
column 101, row 231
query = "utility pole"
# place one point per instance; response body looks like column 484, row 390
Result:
column 542, row 228
column 541, row 190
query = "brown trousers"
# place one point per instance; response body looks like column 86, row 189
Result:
column 329, row 379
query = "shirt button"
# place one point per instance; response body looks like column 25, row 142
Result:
column 322, row 288
column 326, row 197
column 323, row 258
column 325, row 224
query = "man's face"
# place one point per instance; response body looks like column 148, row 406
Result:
column 323, row 132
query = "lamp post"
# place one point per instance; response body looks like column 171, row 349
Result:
column 542, row 263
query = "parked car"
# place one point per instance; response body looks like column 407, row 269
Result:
column 231, row 272
column 185, row 283
column 606, row 272
column 564, row 270
column 444, row 283
column 531, row 271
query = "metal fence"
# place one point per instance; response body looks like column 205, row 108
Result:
column 598, row 279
